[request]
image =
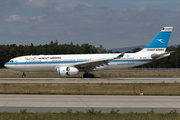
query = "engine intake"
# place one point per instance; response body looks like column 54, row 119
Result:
column 65, row 71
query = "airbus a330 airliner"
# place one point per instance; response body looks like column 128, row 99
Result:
column 66, row 65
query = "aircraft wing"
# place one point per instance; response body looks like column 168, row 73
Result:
column 95, row 63
column 158, row 56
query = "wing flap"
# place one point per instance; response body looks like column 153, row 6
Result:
column 96, row 63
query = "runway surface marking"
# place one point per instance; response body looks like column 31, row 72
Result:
column 134, row 99
column 82, row 80
column 93, row 106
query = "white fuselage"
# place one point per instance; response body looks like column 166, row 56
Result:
column 52, row 62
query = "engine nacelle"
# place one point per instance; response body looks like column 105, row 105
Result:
column 65, row 71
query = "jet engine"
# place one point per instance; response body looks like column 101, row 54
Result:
column 65, row 71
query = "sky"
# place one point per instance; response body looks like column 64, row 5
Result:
column 110, row 23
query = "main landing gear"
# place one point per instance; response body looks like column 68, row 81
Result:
column 23, row 74
column 88, row 75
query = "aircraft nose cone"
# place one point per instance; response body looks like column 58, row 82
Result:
column 6, row 65
column 9, row 66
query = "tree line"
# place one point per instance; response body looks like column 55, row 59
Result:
column 8, row 52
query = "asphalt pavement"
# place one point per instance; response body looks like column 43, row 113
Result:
column 61, row 103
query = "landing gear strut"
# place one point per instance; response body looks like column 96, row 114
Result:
column 88, row 75
column 23, row 74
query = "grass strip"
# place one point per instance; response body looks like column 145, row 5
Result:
column 90, row 115
column 17, row 74
column 166, row 89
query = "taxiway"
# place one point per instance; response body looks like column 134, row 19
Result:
column 89, row 80
column 60, row 103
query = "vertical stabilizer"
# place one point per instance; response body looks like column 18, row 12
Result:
column 160, row 42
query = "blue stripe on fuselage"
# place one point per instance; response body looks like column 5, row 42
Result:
column 55, row 62
column 47, row 62
column 130, row 60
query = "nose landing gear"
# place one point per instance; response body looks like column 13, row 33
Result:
column 23, row 74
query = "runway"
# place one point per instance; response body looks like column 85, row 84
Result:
column 89, row 80
column 60, row 103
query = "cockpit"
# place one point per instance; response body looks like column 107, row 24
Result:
column 11, row 61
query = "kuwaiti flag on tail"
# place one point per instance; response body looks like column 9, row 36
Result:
column 167, row 29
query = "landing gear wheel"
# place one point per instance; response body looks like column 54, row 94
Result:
column 88, row 75
column 23, row 75
column 91, row 75
column 85, row 75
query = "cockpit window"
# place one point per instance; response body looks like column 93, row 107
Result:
column 11, row 61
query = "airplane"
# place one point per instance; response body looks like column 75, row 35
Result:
column 72, row 64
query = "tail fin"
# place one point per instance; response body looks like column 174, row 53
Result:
column 160, row 42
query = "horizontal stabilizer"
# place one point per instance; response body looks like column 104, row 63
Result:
column 158, row 56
